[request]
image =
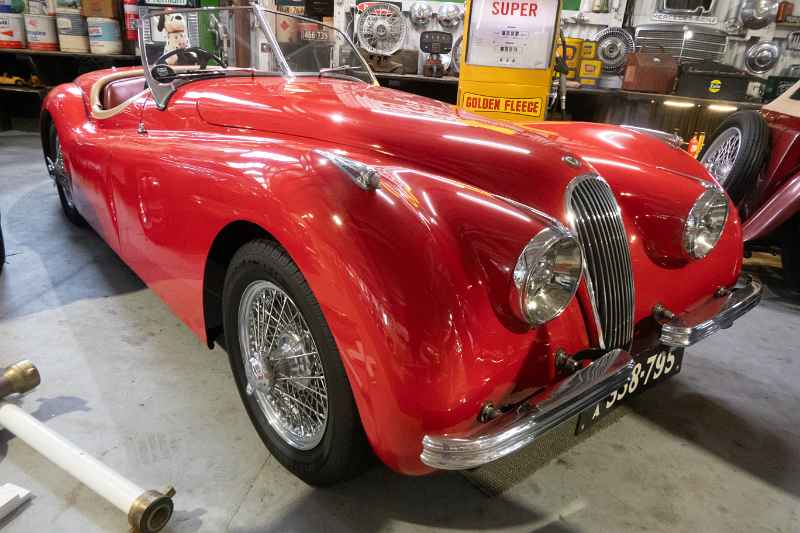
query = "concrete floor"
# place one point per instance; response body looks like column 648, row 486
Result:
column 715, row 449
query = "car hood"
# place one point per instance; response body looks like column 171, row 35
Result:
column 526, row 164
column 498, row 157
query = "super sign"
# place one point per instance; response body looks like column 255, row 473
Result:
column 514, row 9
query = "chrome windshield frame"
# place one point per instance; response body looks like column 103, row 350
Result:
column 162, row 91
column 273, row 40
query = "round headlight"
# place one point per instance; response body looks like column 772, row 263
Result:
column 705, row 223
column 546, row 277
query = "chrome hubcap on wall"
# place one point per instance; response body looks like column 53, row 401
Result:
column 721, row 155
column 282, row 365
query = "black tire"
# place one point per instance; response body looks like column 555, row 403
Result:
column 754, row 147
column 64, row 195
column 790, row 254
column 343, row 451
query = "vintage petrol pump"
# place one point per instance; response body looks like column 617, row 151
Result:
column 507, row 61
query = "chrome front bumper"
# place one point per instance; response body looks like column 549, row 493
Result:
column 520, row 427
column 716, row 314
column 542, row 413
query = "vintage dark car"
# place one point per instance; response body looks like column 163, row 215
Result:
column 755, row 155
column 388, row 272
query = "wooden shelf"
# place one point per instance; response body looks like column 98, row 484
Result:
column 23, row 89
column 657, row 97
column 447, row 80
column 29, row 52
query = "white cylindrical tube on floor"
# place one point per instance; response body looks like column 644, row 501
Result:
column 121, row 492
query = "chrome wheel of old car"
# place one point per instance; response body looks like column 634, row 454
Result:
column 735, row 153
column 282, row 365
column 62, row 178
column 287, row 367
column 720, row 157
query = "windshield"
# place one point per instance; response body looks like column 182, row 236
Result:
column 182, row 45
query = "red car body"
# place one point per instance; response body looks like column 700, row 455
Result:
column 775, row 199
column 412, row 279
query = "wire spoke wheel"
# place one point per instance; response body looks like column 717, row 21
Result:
column 721, row 156
column 282, row 365
column 61, row 173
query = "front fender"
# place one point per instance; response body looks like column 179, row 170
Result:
column 413, row 280
column 64, row 107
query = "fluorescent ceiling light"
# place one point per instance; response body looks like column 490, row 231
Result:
column 722, row 108
column 678, row 103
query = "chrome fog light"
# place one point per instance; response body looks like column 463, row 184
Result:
column 705, row 223
column 546, row 277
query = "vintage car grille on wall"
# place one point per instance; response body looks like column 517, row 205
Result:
column 598, row 223
column 685, row 42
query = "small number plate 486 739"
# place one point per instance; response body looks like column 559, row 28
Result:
column 647, row 371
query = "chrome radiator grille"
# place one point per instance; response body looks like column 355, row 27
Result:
column 597, row 221
column 685, row 42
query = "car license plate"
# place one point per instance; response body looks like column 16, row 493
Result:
column 647, row 371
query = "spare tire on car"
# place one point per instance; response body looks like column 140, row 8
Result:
column 736, row 151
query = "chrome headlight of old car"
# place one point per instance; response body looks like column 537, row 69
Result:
column 705, row 223
column 546, row 276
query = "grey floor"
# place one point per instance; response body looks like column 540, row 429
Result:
column 715, row 449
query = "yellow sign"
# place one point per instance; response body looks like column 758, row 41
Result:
column 478, row 103
column 507, row 64
column 714, row 86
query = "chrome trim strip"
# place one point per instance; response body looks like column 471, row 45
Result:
column 522, row 426
column 692, row 327
column 672, row 139
column 276, row 48
column 541, row 215
column 707, row 183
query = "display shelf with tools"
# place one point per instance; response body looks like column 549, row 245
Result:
column 28, row 51
column 24, row 89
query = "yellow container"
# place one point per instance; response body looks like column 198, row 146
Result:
column 589, row 50
column 574, row 46
column 591, row 68
column 590, row 71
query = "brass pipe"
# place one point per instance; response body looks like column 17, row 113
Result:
column 19, row 378
column 148, row 510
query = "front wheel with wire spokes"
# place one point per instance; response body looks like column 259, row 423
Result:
column 55, row 163
column 287, row 367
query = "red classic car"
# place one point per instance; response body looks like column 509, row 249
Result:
column 756, row 157
column 387, row 271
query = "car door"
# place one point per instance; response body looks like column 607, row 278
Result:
column 158, row 182
column 93, row 176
